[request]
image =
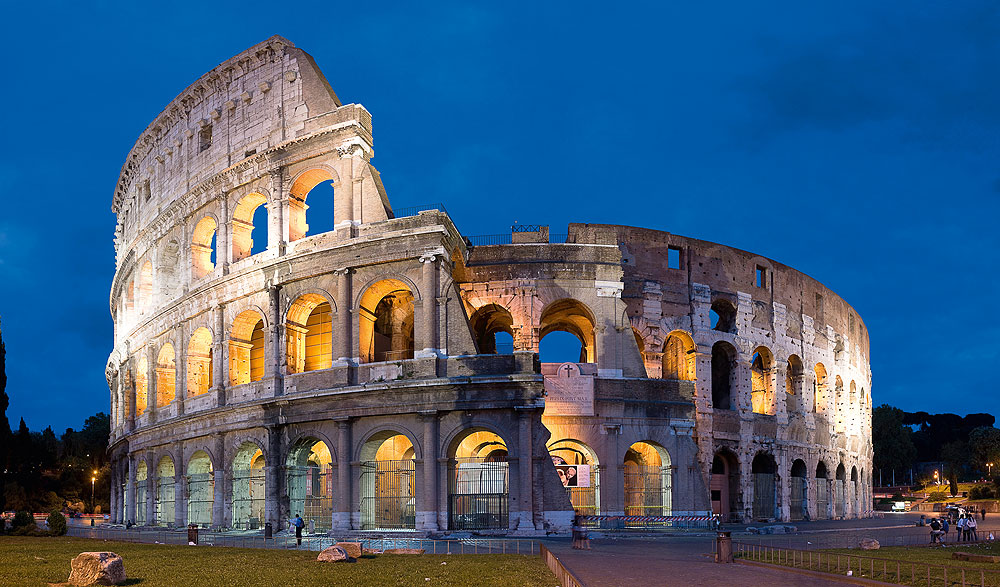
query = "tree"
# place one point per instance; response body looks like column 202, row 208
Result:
column 891, row 439
column 4, row 424
column 955, row 456
column 984, row 443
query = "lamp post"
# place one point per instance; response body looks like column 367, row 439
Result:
column 93, row 481
column 990, row 465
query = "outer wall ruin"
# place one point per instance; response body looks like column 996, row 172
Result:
column 381, row 373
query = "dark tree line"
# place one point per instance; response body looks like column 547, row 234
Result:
column 41, row 472
column 964, row 444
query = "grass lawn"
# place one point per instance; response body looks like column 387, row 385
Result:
column 38, row 561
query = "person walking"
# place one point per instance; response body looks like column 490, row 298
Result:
column 971, row 527
column 298, row 523
column 983, row 513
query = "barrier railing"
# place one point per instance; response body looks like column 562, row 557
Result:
column 709, row 522
column 565, row 576
column 414, row 210
column 148, row 535
column 867, row 567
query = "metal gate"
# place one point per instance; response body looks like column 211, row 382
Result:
column 838, row 498
column 822, row 499
column 201, row 498
column 797, row 503
column 647, row 492
column 140, row 503
column 387, row 495
column 164, row 501
column 763, row 495
column 586, row 500
column 248, row 498
column 310, row 493
column 478, row 496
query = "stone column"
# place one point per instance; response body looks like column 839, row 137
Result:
column 151, row 489
column 428, row 519
column 151, row 383
column 525, row 510
column 219, row 367
column 129, row 370
column 427, row 330
column 343, row 201
column 343, row 333
column 180, row 367
column 784, row 479
column 180, row 486
column 274, row 309
column 223, row 254
column 272, row 478
column 130, row 490
column 219, row 468
column 277, row 230
column 342, row 501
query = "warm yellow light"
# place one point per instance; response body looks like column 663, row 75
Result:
column 95, row 473
column 92, row 479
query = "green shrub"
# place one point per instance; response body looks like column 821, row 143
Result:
column 937, row 496
column 22, row 520
column 57, row 524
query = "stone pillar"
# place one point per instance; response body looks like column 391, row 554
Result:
column 151, row 383
column 129, row 369
column 180, row 367
column 427, row 520
column 180, row 487
column 219, row 367
column 343, row 201
column 427, row 330
column 784, row 479
column 130, row 490
column 113, row 500
column 343, row 334
column 274, row 309
column 151, row 489
column 277, row 229
column 272, row 478
column 222, row 253
column 524, row 513
column 219, row 468
column 342, row 501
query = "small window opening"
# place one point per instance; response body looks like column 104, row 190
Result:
column 205, row 138
column 850, row 322
column 249, row 153
column 673, row 258
column 761, row 277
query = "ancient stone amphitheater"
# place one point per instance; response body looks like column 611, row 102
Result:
column 288, row 343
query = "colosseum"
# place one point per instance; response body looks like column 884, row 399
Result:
column 286, row 342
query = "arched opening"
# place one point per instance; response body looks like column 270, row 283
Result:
column 822, row 492
column 166, row 376
column 679, row 357
column 146, row 287
column 164, row 504
column 820, row 398
column 838, row 406
column 725, row 485
column 203, row 247
column 763, row 469
column 569, row 316
column 647, row 481
column 386, row 322
column 199, row 362
column 309, row 332
column 309, row 470
column 141, row 385
column 793, row 385
column 388, row 492
column 201, row 489
column 141, row 474
column 130, row 301
column 246, row 348
column 762, row 392
column 855, row 496
column 478, row 482
column 839, row 497
column 798, row 504
column 316, row 186
column 722, row 316
column 167, row 266
column 493, row 327
column 723, row 357
column 248, row 487
column 580, row 473
column 250, row 221
column 853, row 397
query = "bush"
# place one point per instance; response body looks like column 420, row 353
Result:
column 935, row 496
column 57, row 524
column 981, row 492
column 22, row 520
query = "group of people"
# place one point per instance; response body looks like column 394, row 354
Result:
column 966, row 525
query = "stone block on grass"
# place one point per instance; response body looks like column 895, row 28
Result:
column 334, row 554
column 97, row 568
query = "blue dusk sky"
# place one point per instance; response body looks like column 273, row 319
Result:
column 854, row 141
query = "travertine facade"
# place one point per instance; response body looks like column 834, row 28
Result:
column 353, row 374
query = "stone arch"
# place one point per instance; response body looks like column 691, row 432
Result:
column 725, row 484
column 303, row 183
column 247, row 347
column 249, row 485
column 166, row 375
column 386, row 313
column 309, row 332
column 839, row 492
column 486, row 322
column 142, row 483
column 764, row 470
column 722, row 315
column 141, row 384
column 794, row 401
column 762, row 386
column 310, row 481
column 648, row 487
column 572, row 316
column 200, row 488
column 168, row 263
column 388, row 480
column 820, row 393
column 163, row 506
column 243, row 223
column 724, row 376
column 199, row 362
column 146, row 287
column 478, row 480
column 204, row 246
column 679, row 353
column 852, row 398
column 822, row 491
column 799, row 496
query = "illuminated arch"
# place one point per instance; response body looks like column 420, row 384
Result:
column 566, row 452
column 243, row 224
column 793, row 385
column 301, row 186
column 762, row 390
column 386, row 322
column 388, row 482
column 166, row 375
column 200, row 489
column 163, row 506
column 309, row 334
column 478, row 481
column 487, row 321
column 248, row 486
column 199, row 362
column 648, row 480
column 203, row 244
column 679, row 356
column 574, row 317
column 310, row 482
column 247, row 348
column 141, row 385
column 820, row 393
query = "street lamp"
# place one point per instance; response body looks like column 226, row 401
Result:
column 936, row 482
column 93, row 480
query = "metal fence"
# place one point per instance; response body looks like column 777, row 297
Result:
column 867, row 567
column 414, row 210
column 563, row 575
column 314, row 543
